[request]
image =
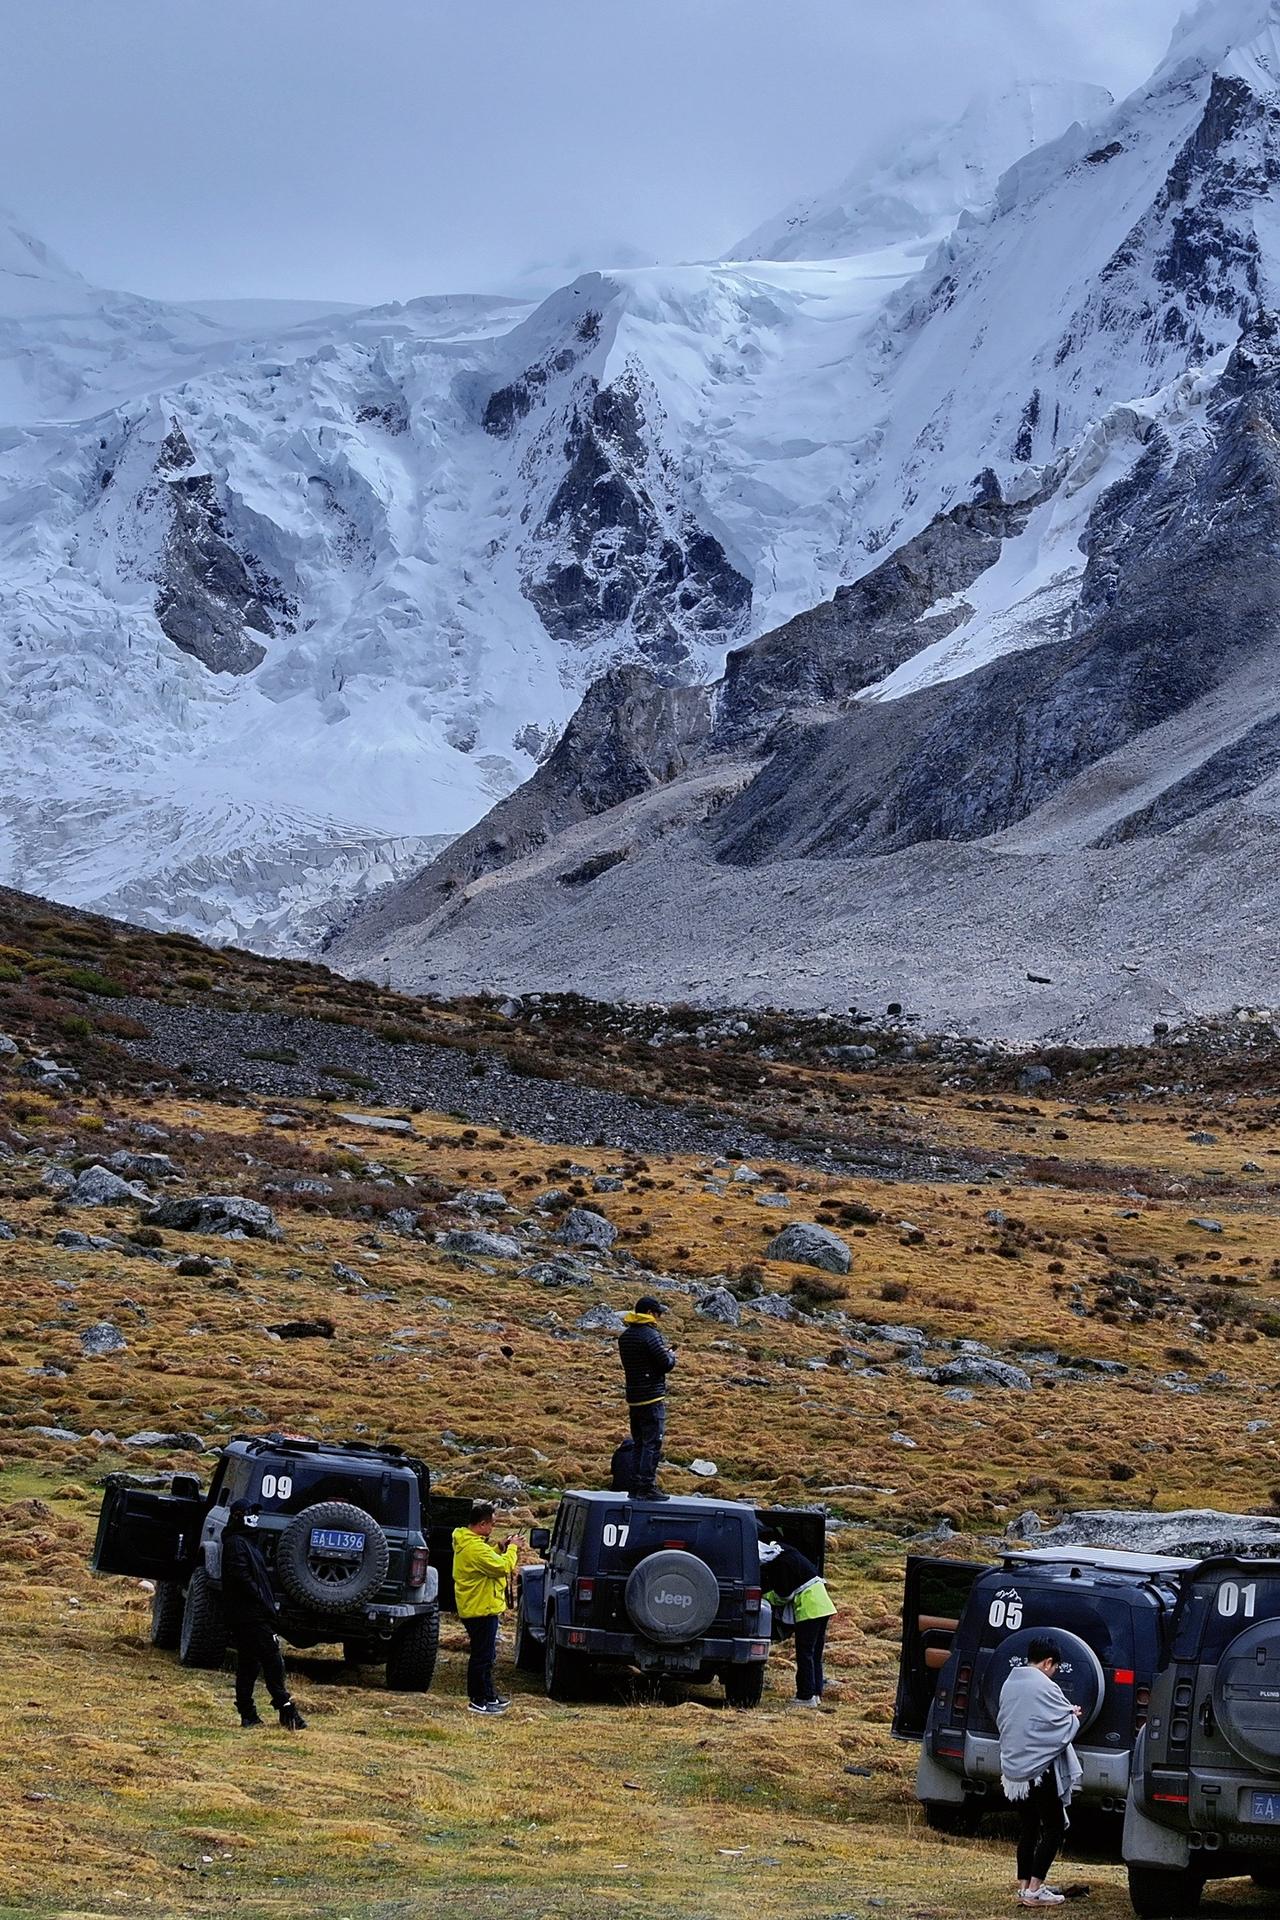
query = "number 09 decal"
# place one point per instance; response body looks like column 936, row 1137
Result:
column 277, row 1486
column 616, row 1536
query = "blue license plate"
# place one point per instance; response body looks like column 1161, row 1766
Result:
column 1266, row 1809
column 335, row 1541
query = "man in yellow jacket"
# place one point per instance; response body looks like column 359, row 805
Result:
column 480, row 1574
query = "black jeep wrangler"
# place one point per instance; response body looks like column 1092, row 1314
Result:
column 1205, row 1797
column 966, row 1626
column 668, row 1587
column 357, row 1550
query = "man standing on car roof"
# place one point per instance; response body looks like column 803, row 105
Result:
column 480, row 1576
column 249, row 1606
column 646, row 1361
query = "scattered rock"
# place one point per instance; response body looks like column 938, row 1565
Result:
column 720, row 1305
column 53, row 1433
column 376, row 1123
column 973, row 1370
column 480, row 1200
column 903, row 1440
column 776, row 1306
column 745, row 1176
column 705, row 1469
column 1206, row 1226
column 779, row 1200
column 147, row 1166
column 223, row 1213
column 483, row 1246
column 303, row 1329
column 806, row 1245
column 83, row 1242
column 1196, row 1533
column 1203, row 1139
column 6, row 1231
column 1032, row 1078
column 184, row 1442
column 607, row 1183
column 100, row 1187
column 582, row 1228
column 8, row 1046
column 341, row 1271
column 194, row 1266
column 601, row 1319
column 561, row 1271
column 102, row 1339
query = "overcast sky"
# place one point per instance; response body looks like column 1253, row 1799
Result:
column 377, row 149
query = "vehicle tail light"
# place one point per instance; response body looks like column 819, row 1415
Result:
column 753, row 1596
column 419, row 1560
column 1123, row 1676
column 586, row 1592
column 960, row 1704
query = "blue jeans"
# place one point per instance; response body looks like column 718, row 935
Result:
column 647, row 1427
column 482, row 1632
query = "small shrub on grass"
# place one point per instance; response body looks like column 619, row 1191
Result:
column 76, row 1026
column 348, row 1077
column 196, row 982
column 8, row 972
column 86, row 980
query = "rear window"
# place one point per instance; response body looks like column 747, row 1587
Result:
column 1103, row 1621
column 287, row 1486
column 627, row 1536
column 1213, row 1614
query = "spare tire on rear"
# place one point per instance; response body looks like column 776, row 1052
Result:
column 672, row 1596
column 1080, row 1676
column 321, row 1576
column 1246, row 1688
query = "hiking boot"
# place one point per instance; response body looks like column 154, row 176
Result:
column 290, row 1719
column 251, row 1719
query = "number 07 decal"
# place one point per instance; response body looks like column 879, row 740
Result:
column 616, row 1536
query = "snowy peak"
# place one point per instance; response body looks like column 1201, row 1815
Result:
column 918, row 190
column 29, row 271
column 1241, row 37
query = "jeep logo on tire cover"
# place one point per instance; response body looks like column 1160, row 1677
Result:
column 665, row 1598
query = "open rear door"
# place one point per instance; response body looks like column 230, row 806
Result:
column 804, row 1528
column 447, row 1512
column 933, row 1599
column 143, row 1531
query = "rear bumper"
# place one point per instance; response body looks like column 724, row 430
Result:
column 630, row 1649
column 1106, row 1775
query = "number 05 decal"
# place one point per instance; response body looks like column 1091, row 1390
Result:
column 277, row 1486
column 616, row 1536
column 1006, row 1613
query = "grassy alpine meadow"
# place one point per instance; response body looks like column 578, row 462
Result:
column 1092, row 1222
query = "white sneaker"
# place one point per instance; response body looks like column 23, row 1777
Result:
column 814, row 1702
column 1042, row 1897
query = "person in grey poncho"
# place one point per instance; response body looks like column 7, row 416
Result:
column 1038, row 1765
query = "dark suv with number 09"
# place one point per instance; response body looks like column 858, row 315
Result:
column 356, row 1549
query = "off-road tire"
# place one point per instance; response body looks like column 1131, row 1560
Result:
column 1165, row 1893
column 529, row 1654
column 167, row 1603
column 203, row 1638
column 744, row 1685
column 564, row 1673
column 325, row 1586
column 411, row 1658
column 672, row 1596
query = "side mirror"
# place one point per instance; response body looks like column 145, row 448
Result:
column 540, row 1538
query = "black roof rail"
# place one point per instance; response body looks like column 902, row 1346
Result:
column 287, row 1443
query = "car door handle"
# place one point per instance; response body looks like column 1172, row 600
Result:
column 1207, row 1720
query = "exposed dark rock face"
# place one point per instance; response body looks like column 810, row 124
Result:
column 1181, row 592
column 632, row 732
column 208, row 593
column 615, row 547
column 824, row 657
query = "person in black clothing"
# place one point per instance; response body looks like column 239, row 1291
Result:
column 252, row 1615
column 646, row 1361
column 799, row 1594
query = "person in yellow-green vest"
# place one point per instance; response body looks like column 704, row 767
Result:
column 480, row 1575
column 798, row 1593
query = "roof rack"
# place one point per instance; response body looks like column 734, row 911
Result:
column 282, row 1443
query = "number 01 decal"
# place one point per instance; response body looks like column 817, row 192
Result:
column 277, row 1486
column 1234, row 1599
column 616, row 1536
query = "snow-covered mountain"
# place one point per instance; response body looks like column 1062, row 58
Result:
column 1032, row 736
column 284, row 605
column 917, row 189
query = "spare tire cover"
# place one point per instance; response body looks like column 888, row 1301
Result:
column 327, row 1581
column 1246, row 1696
column 1080, row 1676
column 672, row 1595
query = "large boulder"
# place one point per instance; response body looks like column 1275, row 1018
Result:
column 583, row 1228
column 483, row 1246
column 1193, row 1533
column 224, row 1213
column 144, row 1166
column 601, row 1318
column 806, row 1245
column 100, row 1187
column 976, row 1370
column 720, row 1305
column 101, row 1339
column 480, row 1200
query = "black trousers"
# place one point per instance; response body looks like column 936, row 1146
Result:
column 1043, row 1828
column 648, row 1424
column 482, row 1632
column 258, row 1651
column 811, row 1636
